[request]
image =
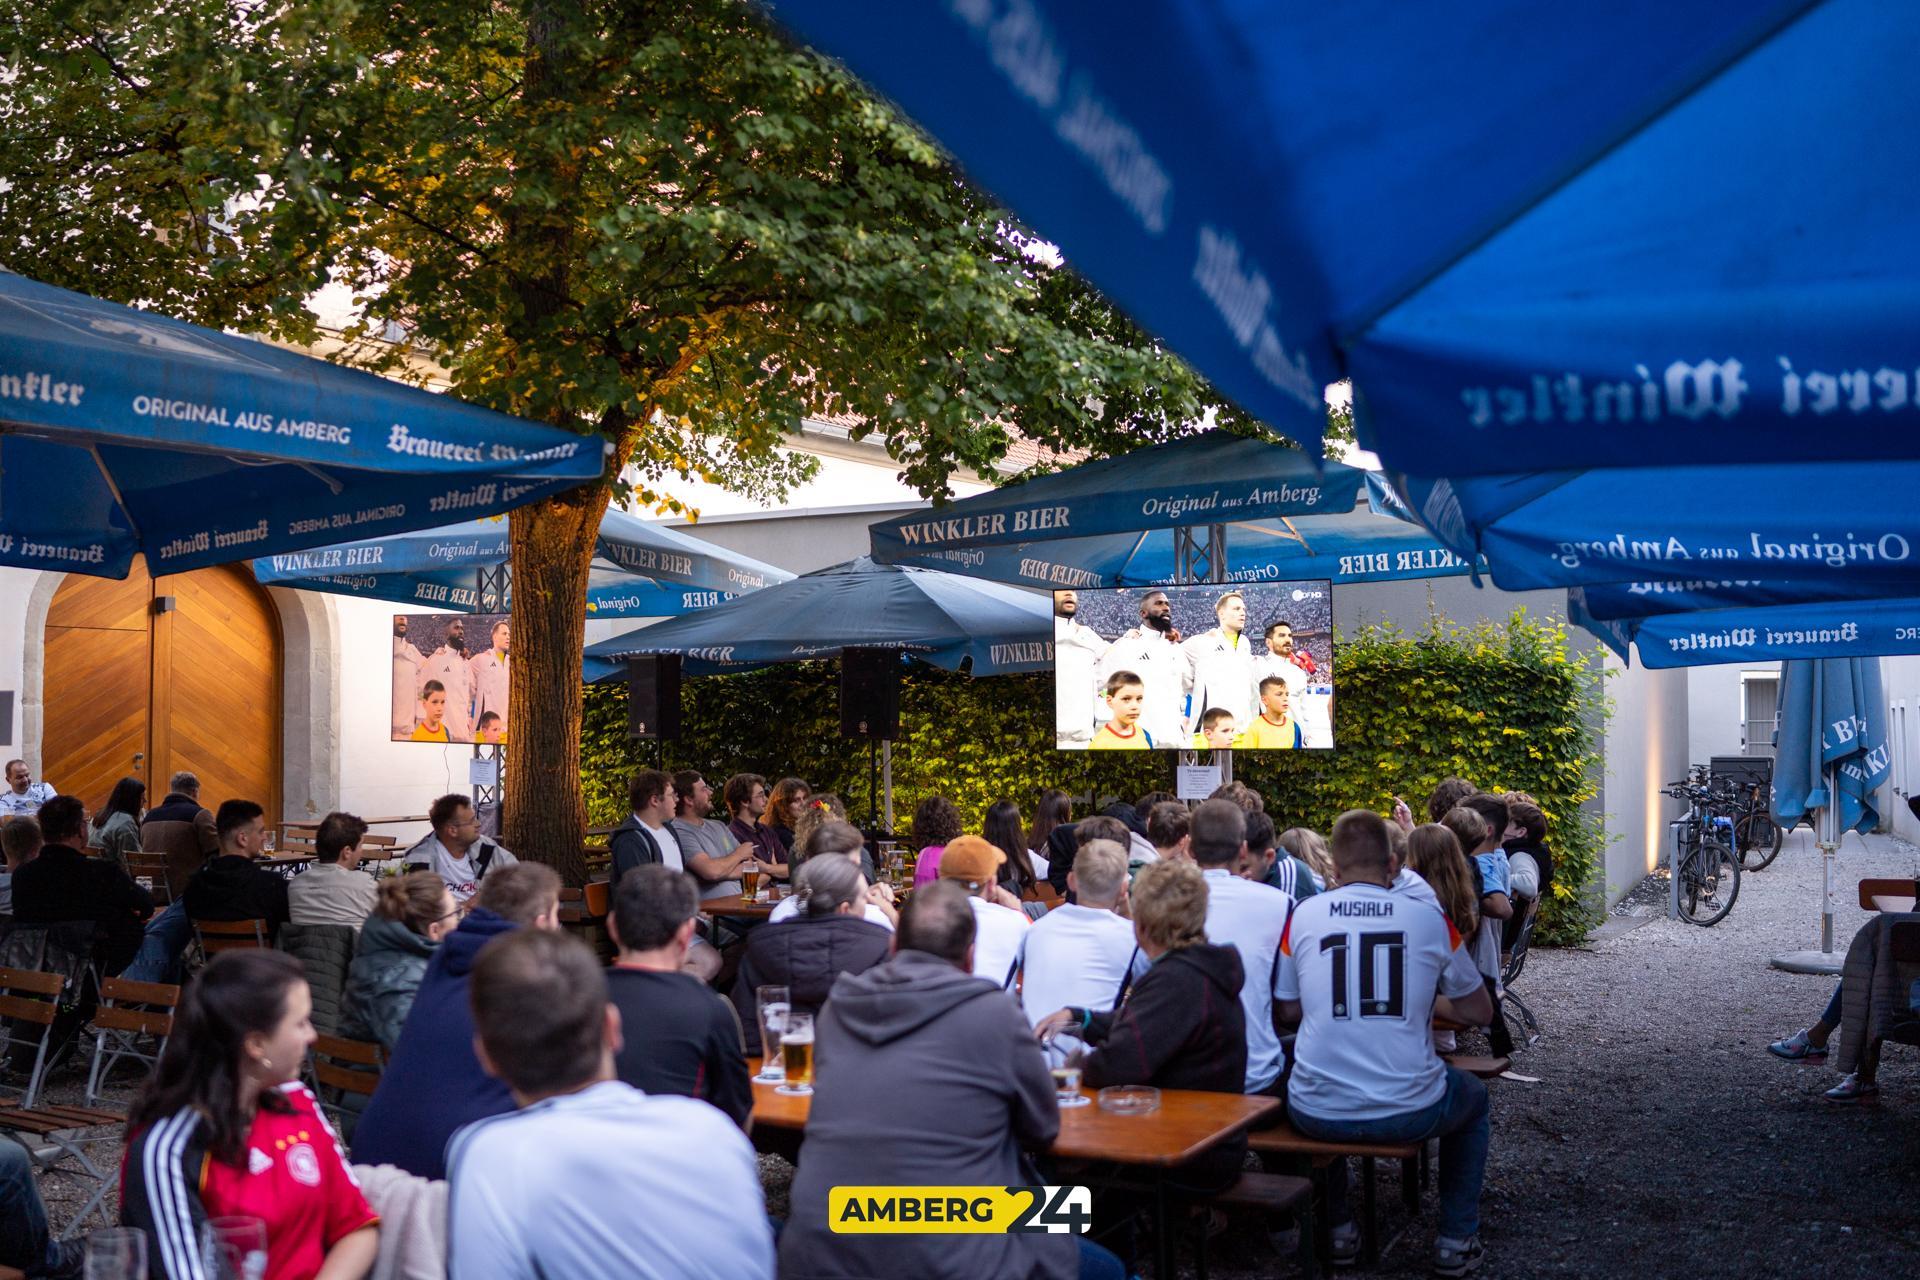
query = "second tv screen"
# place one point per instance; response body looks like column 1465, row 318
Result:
column 1247, row 667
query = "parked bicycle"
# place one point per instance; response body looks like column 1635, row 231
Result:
column 1755, row 834
column 1705, row 865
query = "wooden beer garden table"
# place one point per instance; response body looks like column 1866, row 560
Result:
column 1188, row 1123
column 735, row 905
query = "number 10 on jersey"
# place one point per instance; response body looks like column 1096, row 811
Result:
column 1382, row 962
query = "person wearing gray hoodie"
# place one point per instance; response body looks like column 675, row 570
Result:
column 926, row 1076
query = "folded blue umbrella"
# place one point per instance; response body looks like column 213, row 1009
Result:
column 125, row 432
column 939, row 618
column 640, row 569
column 1535, row 236
column 1833, row 733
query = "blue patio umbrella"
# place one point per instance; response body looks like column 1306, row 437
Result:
column 1835, row 629
column 1846, row 528
column 641, row 569
column 1116, row 522
column 1535, row 236
column 939, row 618
column 1209, row 478
column 1832, row 756
column 122, row 431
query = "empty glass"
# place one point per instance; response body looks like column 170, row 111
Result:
column 116, row 1253
column 773, row 1003
column 234, row 1248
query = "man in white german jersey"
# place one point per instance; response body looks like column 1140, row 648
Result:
column 1360, row 968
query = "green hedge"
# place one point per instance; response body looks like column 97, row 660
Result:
column 1506, row 705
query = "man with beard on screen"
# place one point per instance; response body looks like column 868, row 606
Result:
column 450, row 665
column 1076, row 657
column 1152, row 651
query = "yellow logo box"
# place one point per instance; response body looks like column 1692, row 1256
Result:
column 945, row 1211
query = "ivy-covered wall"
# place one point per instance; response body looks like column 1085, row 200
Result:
column 1506, row 705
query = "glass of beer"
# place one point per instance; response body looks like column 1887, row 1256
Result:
column 773, row 1002
column 796, row 1055
column 1066, row 1086
column 750, row 880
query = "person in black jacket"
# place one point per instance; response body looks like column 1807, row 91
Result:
column 679, row 1036
column 63, row 884
column 1181, row 1025
column 805, row 955
column 230, row 886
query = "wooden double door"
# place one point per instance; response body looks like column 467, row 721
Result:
column 149, row 676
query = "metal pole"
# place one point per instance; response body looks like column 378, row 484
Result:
column 886, row 780
column 1828, row 847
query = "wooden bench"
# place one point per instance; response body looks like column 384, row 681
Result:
column 1269, row 1193
column 1283, row 1140
column 1485, row 1068
column 1900, row 891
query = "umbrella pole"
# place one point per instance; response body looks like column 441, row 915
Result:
column 1828, row 848
column 1828, row 837
column 886, row 781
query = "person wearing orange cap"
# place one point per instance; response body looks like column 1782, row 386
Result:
column 1000, row 925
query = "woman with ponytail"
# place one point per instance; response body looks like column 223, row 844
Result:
column 223, row 1128
column 410, row 916
column 824, row 937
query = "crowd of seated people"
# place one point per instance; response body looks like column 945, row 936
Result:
column 1149, row 942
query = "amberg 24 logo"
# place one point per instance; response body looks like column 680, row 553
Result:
column 959, row 1210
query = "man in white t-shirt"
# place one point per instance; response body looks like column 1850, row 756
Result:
column 1360, row 969
column 537, row 1191
column 1248, row 917
column 1076, row 657
column 1082, row 954
column 1000, row 926
column 455, row 850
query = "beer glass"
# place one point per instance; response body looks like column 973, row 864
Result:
column 750, row 880
column 773, row 1003
column 796, row 1055
column 234, row 1248
column 116, row 1253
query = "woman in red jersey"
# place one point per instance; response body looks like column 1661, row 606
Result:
column 224, row 1129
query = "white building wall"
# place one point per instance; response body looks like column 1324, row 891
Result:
column 15, row 586
column 1646, row 746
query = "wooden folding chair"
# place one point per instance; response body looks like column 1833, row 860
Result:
column 52, row 1133
column 215, row 936
column 338, row 1067
column 149, row 870
column 129, row 1010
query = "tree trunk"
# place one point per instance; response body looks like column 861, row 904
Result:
column 553, row 543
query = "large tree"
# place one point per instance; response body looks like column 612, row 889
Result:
column 656, row 221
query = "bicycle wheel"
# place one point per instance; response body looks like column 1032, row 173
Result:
column 1710, row 881
column 1758, row 837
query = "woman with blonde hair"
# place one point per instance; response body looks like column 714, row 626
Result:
column 410, row 916
column 1181, row 1026
column 1309, row 847
column 820, row 809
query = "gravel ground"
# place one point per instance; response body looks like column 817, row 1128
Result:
column 1661, row 1138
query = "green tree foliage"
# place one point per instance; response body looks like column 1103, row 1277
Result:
column 1506, row 705
column 656, row 220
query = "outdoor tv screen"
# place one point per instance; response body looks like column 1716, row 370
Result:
column 1221, row 665
column 450, row 677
